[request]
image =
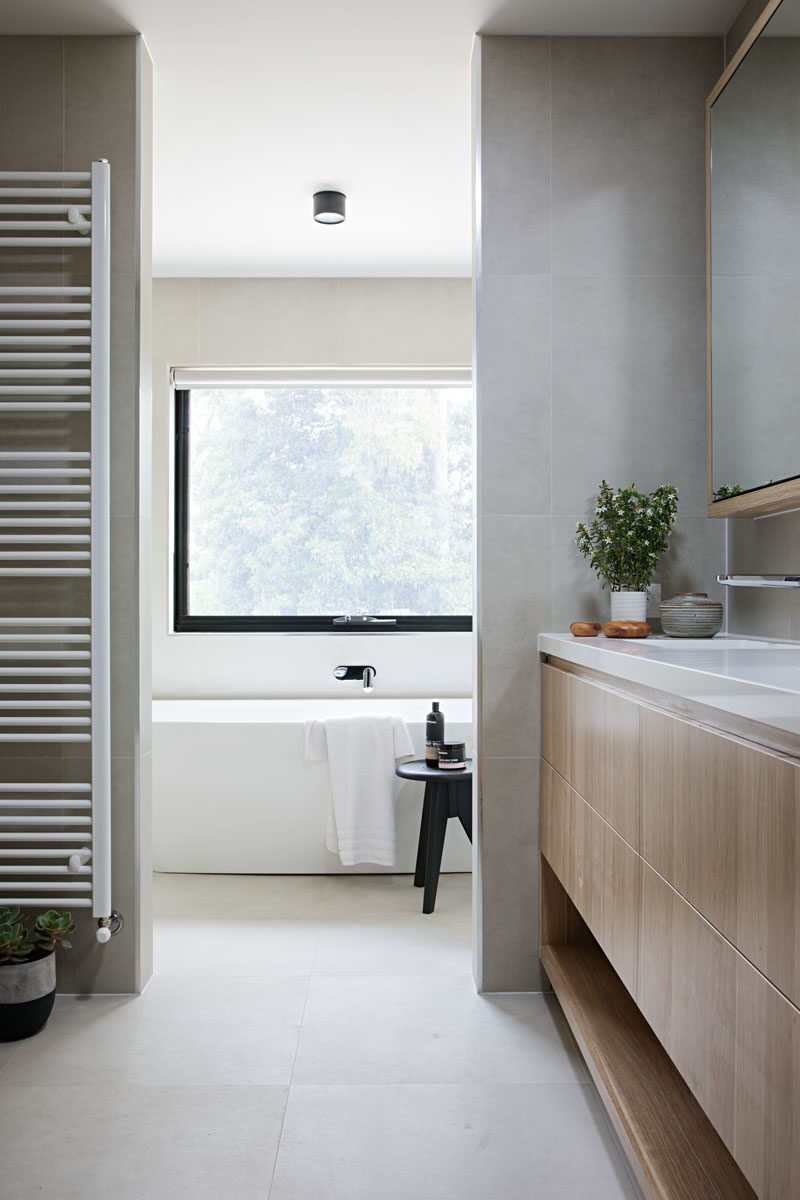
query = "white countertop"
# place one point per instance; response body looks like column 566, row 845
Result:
column 754, row 678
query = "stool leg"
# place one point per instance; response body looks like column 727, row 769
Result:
column 419, row 872
column 465, row 807
column 436, row 831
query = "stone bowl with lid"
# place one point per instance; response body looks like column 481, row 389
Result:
column 691, row 614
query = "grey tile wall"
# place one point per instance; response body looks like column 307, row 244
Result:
column 515, row 595
column 100, row 103
column 768, row 546
column 106, row 106
column 590, row 363
column 513, row 407
column 626, row 158
column 515, row 371
column 31, row 125
column 510, row 943
column 514, row 120
column 63, row 103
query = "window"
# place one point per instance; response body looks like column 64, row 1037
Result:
column 303, row 498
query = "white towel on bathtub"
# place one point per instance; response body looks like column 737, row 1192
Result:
column 361, row 754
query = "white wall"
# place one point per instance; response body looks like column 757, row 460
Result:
column 304, row 321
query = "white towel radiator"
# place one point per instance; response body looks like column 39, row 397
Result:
column 55, row 834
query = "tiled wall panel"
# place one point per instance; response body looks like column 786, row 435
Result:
column 590, row 364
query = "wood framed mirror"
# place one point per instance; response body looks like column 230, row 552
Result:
column 753, row 272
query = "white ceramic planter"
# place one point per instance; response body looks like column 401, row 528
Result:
column 628, row 606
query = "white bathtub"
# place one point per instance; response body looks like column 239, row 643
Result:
column 232, row 792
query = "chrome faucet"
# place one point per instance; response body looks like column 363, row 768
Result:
column 365, row 673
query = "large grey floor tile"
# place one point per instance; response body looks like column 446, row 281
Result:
column 180, row 1032
column 163, row 1143
column 501, row 1142
column 245, row 947
column 403, row 1080
column 432, row 1030
column 430, row 944
column 7, row 1052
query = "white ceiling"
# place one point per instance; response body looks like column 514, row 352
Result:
column 260, row 103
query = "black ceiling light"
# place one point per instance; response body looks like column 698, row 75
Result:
column 329, row 207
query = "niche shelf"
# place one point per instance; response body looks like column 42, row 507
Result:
column 673, row 1149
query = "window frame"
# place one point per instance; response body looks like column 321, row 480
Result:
column 182, row 382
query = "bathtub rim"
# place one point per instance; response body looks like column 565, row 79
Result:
column 293, row 710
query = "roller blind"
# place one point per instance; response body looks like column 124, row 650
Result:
column 381, row 375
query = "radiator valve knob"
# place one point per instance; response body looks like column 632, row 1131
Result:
column 107, row 927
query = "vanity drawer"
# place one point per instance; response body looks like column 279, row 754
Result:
column 767, row 1132
column 599, row 871
column 687, row 994
column 734, row 1037
column 591, row 736
column 721, row 822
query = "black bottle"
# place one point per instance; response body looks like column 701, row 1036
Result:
column 434, row 734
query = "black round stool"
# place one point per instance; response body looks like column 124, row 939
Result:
column 448, row 793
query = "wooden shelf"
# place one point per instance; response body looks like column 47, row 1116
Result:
column 672, row 1146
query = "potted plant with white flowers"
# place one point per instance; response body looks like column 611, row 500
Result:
column 28, row 969
column 624, row 542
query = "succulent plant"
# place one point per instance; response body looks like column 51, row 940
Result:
column 19, row 942
column 14, row 946
column 51, row 929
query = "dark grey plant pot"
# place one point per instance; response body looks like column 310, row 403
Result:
column 27, row 992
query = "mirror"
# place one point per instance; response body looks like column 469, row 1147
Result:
column 754, row 275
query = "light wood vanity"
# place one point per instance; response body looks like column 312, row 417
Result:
column 670, row 928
